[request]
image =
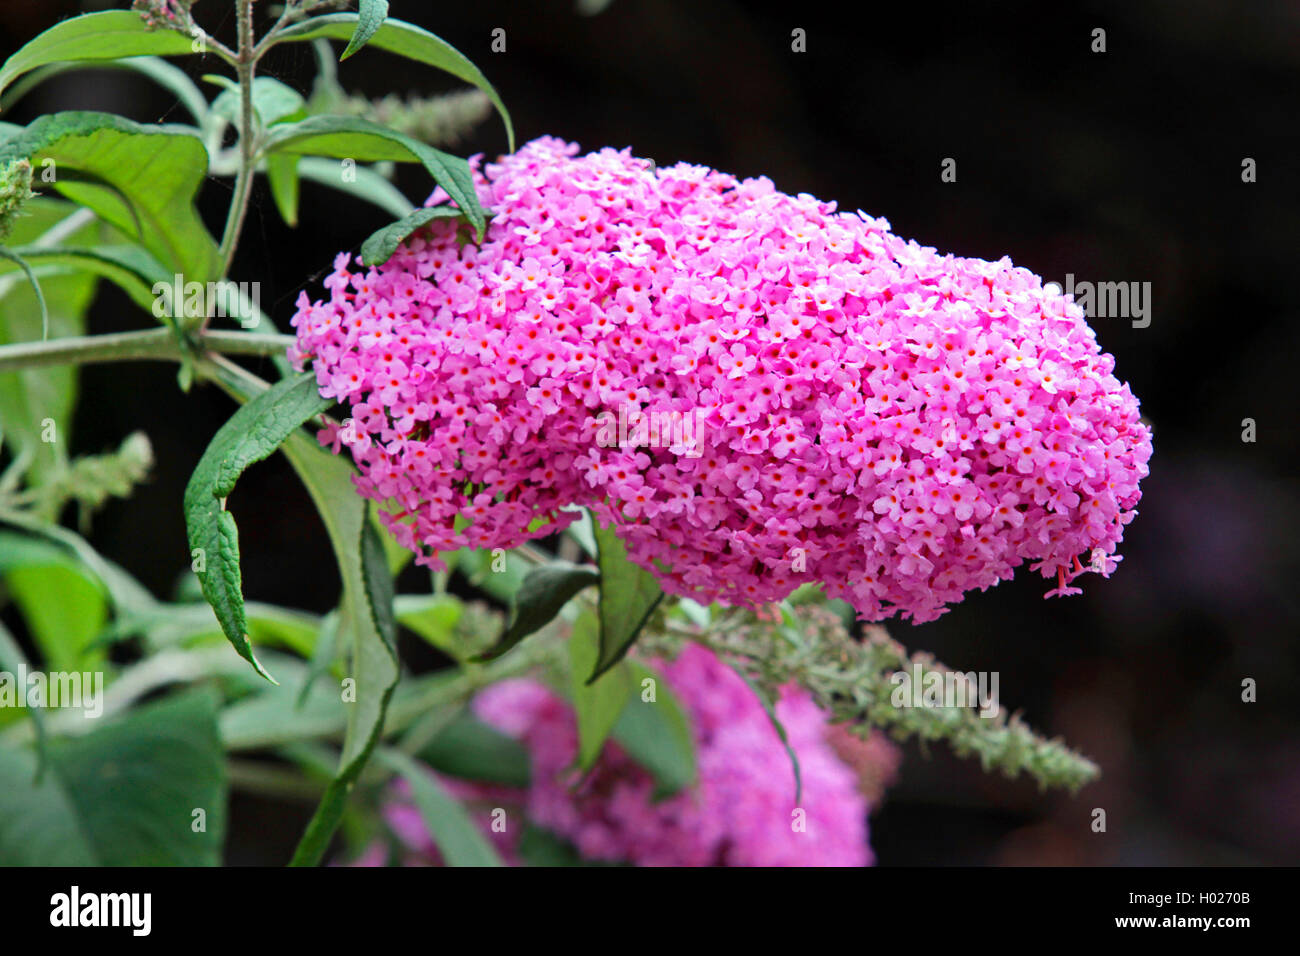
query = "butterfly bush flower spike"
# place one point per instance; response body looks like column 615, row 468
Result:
column 900, row 425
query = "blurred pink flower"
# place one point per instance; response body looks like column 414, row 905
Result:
column 742, row 811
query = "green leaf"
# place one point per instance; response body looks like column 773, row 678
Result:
column 129, row 267
column 628, row 594
column 480, row 568
column 323, row 654
column 251, row 434
column 282, row 175
column 344, row 137
column 12, row 660
column 404, row 39
column 364, row 183
column 65, row 610
column 370, row 17
column 460, row 842
column 95, row 36
column 657, row 734
column 23, row 551
column 378, row 589
column 192, row 624
column 230, row 85
column 472, row 750
column 366, row 616
column 31, row 397
column 381, row 245
column 129, row 597
column 274, row 716
column 545, row 590
column 280, row 715
column 142, row 179
column 433, row 617
column 171, row 78
column 124, row 794
column 273, row 101
column 22, row 264
column 597, row 704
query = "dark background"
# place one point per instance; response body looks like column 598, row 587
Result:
column 1122, row 166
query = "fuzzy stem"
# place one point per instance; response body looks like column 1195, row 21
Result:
column 245, row 67
column 154, row 344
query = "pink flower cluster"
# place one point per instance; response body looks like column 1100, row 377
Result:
column 741, row 813
column 899, row 425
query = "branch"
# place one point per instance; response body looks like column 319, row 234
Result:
column 245, row 67
column 154, row 344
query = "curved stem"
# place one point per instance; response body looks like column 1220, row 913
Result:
column 245, row 67
column 155, row 344
column 289, row 12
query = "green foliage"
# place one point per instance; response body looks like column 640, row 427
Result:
column 368, row 185
column 545, row 590
column 139, row 183
column 124, row 794
column 129, row 267
column 111, row 35
column 64, row 606
column 142, row 179
column 404, row 39
column 433, row 617
column 656, row 733
column 33, row 399
column 367, row 606
column 381, row 245
column 459, row 841
column 251, row 434
column 369, row 19
column 13, row 660
column 284, row 179
column 41, row 305
column 628, row 595
column 366, row 614
column 500, row 576
column 65, row 611
column 171, row 78
column 472, row 750
column 362, row 141
column 273, row 101
column 127, row 596
column 597, row 703
column 281, row 715
column 541, row 847
column 442, row 120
